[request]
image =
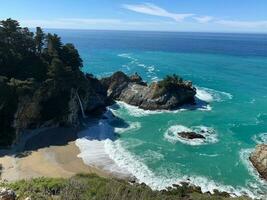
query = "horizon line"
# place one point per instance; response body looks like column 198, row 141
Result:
column 166, row 31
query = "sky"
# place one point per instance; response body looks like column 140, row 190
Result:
column 154, row 15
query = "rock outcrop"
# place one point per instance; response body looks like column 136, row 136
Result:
column 259, row 160
column 190, row 135
column 165, row 94
column 7, row 194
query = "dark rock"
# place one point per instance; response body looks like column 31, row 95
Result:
column 48, row 105
column 259, row 159
column 134, row 91
column 190, row 135
column 7, row 194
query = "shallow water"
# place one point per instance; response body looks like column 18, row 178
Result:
column 229, row 71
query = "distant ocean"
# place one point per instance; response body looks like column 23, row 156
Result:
column 230, row 73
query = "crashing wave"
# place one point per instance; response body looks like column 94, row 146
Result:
column 260, row 139
column 124, row 159
column 258, row 184
column 209, row 95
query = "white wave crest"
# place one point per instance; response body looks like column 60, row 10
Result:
column 208, row 95
column 172, row 135
column 150, row 69
column 124, row 159
column 261, row 138
column 258, row 185
column 139, row 112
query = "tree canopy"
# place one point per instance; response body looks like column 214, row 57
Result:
column 24, row 54
column 37, row 68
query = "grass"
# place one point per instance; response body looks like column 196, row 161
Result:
column 90, row 186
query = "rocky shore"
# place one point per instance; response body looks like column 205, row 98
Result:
column 259, row 160
column 170, row 93
column 67, row 106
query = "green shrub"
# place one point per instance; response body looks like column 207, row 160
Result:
column 90, row 186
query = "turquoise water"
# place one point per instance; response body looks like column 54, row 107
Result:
column 230, row 74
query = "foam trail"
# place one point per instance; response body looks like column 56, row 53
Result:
column 261, row 138
column 132, row 127
column 209, row 95
column 204, row 95
column 150, row 69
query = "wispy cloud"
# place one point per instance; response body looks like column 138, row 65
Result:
column 204, row 19
column 151, row 9
column 243, row 24
column 95, row 23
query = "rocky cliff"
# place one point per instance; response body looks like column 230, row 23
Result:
column 259, row 160
column 48, row 104
column 167, row 94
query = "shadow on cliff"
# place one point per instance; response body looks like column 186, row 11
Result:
column 93, row 129
column 199, row 104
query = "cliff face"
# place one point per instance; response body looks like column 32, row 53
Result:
column 48, row 104
column 259, row 160
column 134, row 91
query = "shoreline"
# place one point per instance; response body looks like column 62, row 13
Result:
column 47, row 152
column 53, row 152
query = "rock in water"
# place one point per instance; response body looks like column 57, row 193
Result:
column 259, row 160
column 167, row 94
column 7, row 194
column 190, row 135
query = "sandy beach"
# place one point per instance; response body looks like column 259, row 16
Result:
column 51, row 153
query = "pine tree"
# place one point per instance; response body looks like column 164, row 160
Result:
column 39, row 40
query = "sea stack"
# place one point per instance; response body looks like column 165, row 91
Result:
column 259, row 160
column 167, row 94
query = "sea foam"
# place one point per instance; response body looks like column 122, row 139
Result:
column 209, row 95
column 258, row 185
column 203, row 98
column 124, row 159
column 260, row 138
column 149, row 69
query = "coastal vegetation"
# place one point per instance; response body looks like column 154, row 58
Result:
column 91, row 186
column 172, row 81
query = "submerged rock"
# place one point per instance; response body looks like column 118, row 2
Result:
column 167, row 94
column 190, row 135
column 259, row 160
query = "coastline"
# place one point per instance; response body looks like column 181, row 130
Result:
column 52, row 153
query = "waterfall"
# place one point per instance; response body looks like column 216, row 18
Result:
column 81, row 105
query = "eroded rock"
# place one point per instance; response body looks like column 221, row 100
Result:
column 7, row 194
column 164, row 95
column 259, row 159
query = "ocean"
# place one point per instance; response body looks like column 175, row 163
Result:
column 230, row 74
